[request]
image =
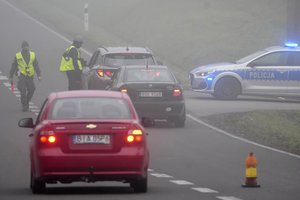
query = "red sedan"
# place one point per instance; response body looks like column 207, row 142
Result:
column 88, row 136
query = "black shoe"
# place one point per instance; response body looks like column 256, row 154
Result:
column 25, row 108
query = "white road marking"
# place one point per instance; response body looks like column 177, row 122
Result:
column 158, row 175
column 35, row 110
column 228, row 198
column 16, row 91
column 3, row 78
column 18, row 95
column 6, row 84
column 33, row 107
column 150, row 170
column 205, row 190
column 239, row 138
column 181, row 182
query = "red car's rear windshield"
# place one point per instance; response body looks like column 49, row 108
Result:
column 122, row 59
column 90, row 108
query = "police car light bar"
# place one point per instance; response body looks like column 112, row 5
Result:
column 290, row 44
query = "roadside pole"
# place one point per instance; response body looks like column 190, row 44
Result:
column 86, row 17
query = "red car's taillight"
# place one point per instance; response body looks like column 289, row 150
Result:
column 47, row 137
column 135, row 135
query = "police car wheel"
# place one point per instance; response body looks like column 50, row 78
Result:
column 227, row 88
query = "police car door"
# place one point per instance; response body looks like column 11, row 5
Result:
column 294, row 73
column 267, row 74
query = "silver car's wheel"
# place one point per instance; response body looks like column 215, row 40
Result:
column 227, row 88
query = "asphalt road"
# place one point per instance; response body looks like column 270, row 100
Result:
column 195, row 162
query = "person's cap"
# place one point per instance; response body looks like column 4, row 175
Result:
column 78, row 39
column 25, row 44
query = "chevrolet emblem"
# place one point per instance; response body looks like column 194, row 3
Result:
column 91, row 126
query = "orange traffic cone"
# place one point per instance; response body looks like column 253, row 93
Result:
column 251, row 171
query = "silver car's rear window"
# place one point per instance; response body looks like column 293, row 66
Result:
column 90, row 108
column 128, row 59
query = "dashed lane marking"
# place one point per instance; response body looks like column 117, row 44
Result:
column 158, row 175
column 6, row 84
column 181, row 182
column 3, row 78
column 228, row 198
column 205, row 190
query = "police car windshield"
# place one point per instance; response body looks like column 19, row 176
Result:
column 250, row 57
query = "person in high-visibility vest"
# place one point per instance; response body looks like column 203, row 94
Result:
column 25, row 66
column 72, row 63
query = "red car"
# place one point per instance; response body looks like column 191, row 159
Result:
column 88, row 136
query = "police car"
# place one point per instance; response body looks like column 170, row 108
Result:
column 273, row 71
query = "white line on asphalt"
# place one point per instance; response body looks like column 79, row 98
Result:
column 158, row 175
column 150, row 170
column 239, row 138
column 33, row 107
column 16, row 91
column 3, row 78
column 228, row 198
column 35, row 110
column 18, row 95
column 181, row 182
column 205, row 190
column 6, row 84
column 44, row 26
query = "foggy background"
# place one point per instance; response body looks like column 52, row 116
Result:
column 183, row 33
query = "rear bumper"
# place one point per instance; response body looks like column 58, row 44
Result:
column 54, row 165
column 160, row 110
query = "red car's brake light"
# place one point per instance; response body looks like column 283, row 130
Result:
column 47, row 136
column 135, row 135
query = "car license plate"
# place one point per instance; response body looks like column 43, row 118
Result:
column 150, row 94
column 91, row 139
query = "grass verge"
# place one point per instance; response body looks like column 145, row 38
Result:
column 277, row 128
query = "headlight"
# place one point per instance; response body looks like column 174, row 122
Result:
column 204, row 73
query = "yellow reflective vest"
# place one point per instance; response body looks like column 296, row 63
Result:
column 24, row 68
column 66, row 63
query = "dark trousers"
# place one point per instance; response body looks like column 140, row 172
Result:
column 26, row 86
column 74, row 79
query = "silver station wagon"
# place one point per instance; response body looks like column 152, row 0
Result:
column 274, row 71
